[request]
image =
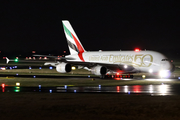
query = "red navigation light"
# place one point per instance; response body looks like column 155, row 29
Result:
column 3, row 85
column 137, row 50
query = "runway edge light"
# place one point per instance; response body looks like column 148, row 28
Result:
column 17, row 84
column 50, row 91
column 3, row 85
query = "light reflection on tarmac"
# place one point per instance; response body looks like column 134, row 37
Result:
column 162, row 89
column 158, row 89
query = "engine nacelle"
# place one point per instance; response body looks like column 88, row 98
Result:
column 99, row 70
column 63, row 67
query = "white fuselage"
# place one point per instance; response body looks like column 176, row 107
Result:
column 145, row 61
column 105, row 62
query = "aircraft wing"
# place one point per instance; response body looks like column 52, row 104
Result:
column 110, row 67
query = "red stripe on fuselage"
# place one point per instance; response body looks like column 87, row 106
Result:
column 80, row 48
column 81, row 57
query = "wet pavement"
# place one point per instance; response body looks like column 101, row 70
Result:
column 158, row 89
column 163, row 89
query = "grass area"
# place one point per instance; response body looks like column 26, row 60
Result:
column 44, row 71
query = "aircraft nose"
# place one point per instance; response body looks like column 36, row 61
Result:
column 172, row 68
column 169, row 66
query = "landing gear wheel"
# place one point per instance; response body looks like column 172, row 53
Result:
column 102, row 76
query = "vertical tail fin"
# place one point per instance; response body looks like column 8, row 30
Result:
column 74, row 44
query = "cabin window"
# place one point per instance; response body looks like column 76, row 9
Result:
column 164, row 60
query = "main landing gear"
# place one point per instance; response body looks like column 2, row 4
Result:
column 116, row 76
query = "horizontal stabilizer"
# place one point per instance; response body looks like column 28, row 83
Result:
column 51, row 63
column 7, row 60
column 56, row 57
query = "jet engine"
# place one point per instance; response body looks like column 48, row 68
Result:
column 99, row 70
column 63, row 67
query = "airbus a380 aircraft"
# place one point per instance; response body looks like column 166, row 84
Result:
column 110, row 62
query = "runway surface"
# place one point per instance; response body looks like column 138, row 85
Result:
column 162, row 89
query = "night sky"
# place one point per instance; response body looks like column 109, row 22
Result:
column 100, row 24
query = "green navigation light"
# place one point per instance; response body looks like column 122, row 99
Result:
column 16, row 60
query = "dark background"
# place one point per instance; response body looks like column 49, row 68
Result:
column 100, row 25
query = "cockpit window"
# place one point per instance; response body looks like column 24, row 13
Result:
column 164, row 60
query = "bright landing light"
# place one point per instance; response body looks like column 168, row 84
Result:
column 164, row 73
column 73, row 68
column 150, row 70
column 125, row 66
